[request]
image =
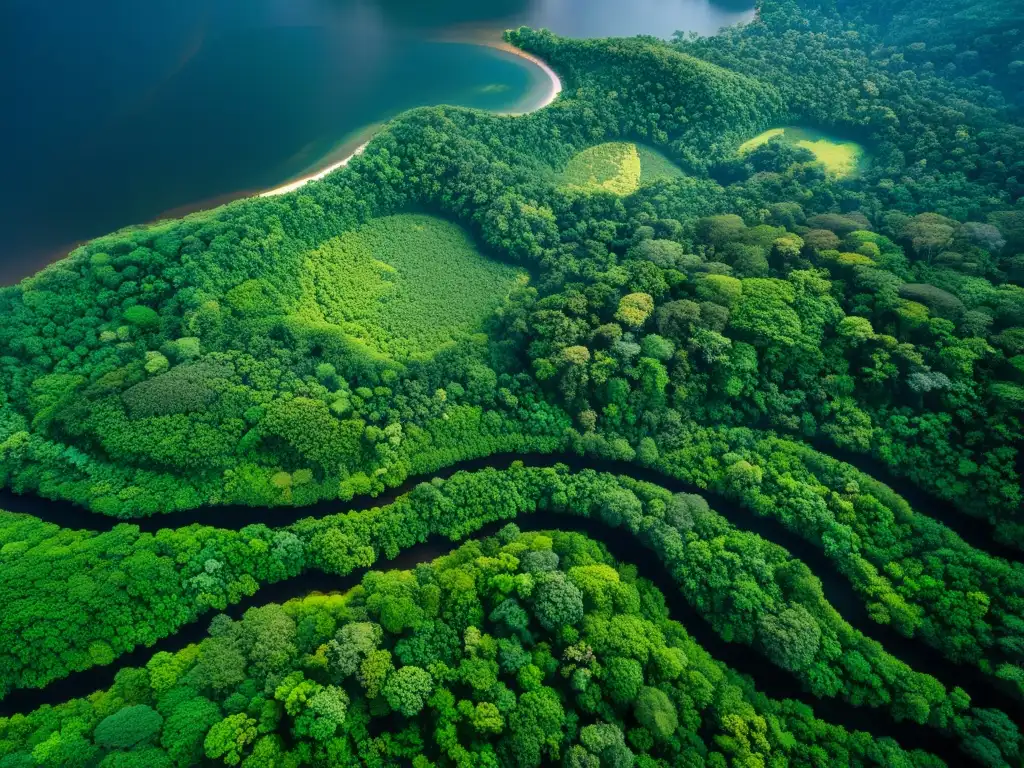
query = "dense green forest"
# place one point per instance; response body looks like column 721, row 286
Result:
column 646, row 273
column 978, row 43
column 523, row 649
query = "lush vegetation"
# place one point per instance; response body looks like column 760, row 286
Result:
column 654, row 166
column 612, row 167
column 750, row 591
column 912, row 573
column 404, row 285
column 840, row 158
column 707, row 300
column 524, row 649
column 978, row 44
column 617, row 167
column 162, row 367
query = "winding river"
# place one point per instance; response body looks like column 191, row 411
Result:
column 227, row 101
column 984, row 691
column 768, row 679
column 977, row 532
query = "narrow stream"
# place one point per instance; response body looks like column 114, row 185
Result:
column 767, row 678
column 976, row 531
column 983, row 690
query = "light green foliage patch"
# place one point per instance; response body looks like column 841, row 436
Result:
column 404, row 285
column 654, row 166
column 841, row 159
column 619, row 167
column 612, row 167
column 760, row 140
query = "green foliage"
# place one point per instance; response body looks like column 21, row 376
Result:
column 328, row 343
column 228, row 739
column 701, row 705
column 128, row 728
column 655, row 712
column 407, row 690
column 841, row 159
column 779, row 611
column 791, row 638
column 654, row 166
column 557, row 601
column 405, row 285
column 186, row 388
column 142, row 317
column 336, row 274
column 614, row 167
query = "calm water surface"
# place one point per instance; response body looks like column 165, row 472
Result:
column 119, row 112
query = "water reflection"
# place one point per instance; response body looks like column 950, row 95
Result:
column 605, row 18
column 576, row 18
column 121, row 111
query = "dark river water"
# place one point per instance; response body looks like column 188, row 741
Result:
column 983, row 690
column 119, row 112
column 768, row 678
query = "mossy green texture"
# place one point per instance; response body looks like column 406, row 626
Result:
column 654, row 166
column 404, row 285
column 619, row 167
column 842, row 159
column 611, row 167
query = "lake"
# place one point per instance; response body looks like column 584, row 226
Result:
column 121, row 112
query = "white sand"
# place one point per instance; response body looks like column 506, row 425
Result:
column 293, row 185
column 555, row 82
column 555, row 88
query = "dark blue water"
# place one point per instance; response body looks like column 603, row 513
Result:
column 119, row 112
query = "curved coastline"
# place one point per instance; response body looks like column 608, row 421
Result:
column 293, row 185
column 554, row 89
column 555, row 82
column 53, row 255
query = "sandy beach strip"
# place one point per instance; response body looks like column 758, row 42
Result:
column 554, row 89
column 291, row 186
column 555, row 82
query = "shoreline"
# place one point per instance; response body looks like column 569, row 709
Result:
column 554, row 81
column 554, row 90
column 301, row 182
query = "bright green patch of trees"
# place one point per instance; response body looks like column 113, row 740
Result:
column 474, row 675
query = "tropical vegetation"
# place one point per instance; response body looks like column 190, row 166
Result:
column 740, row 343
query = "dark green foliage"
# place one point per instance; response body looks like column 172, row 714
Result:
column 679, row 702
column 749, row 280
column 183, row 389
column 750, row 591
column 128, row 728
column 557, row 602
column 143, row 318
column 321, row 346
column 791, row 638
column 942, row 303
column 655, row 712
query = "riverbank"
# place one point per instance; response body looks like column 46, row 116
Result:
column 551, row 93
column 837, row 588
column 768, row 678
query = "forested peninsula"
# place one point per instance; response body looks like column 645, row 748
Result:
column 742, row 315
